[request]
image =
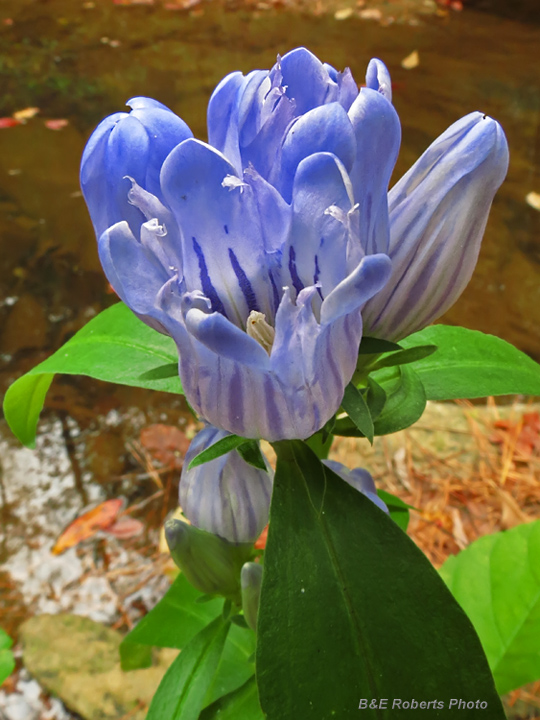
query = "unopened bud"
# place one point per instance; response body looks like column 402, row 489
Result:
column 251, row 580
column 210, row 563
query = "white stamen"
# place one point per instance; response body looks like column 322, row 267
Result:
column 260, row 330
column 232, row 182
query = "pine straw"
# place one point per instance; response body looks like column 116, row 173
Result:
column 469, row 470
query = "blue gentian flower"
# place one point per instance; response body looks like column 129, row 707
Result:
column 254, row 252
column 226, row 496
column 258, row 251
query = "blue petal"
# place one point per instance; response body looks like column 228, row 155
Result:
column 378, row 78
column 164, row 129
column 132, row 145
column 369, row 278
column 306, row 80
column 378, row 135
column 224, row 338
column 318, row 239
column 226, row 496
column 223, row 242
column 250, row 105
column 347, row 89
column 134, row 272
column 324, row 129
column 264, row 151
column 222, row 118
column 438, row 213
column 296, row 394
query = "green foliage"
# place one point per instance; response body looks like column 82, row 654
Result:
column 181, row 693
column 174, row 622
column 471, row 364
column 352, row 609
column 358, row 411
column 405, row 399
column 496, row 580
column 398, row 509
column 404, row 357
column 7, row 661
column 114, row 346
column 248, row 449
column 242, row 704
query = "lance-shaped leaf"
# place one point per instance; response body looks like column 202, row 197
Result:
column 242, row 704
column 114, row 346
column 351, row 609
column 219, row 448
column 181, row 693
column 357, row 409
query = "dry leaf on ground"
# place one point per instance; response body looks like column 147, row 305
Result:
column 87, row 524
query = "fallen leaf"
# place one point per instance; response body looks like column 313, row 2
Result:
column 8, row 122
column 512, row 514
column 343, row 13
column 125, row 528
column 411, row 61
column 56, row 124
column 260, row 544
column 533, row 199
column 87, row 524
column 458, row 531
column 166, row 443
column 371, row 14
column 26, row 114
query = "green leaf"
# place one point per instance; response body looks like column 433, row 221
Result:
column 471, row 364
column 242, row 704
column 398, row 509
column 376, row 346
column 375, row 398
column 114, row 346
column 405, row 399
column 351, row 609
column 250, row 452
column 356, row 408
column 181, row 693
column 234, row 667
column 172, row 623
column 219, row 448
column 404, row 357
column 7, row 661
column 496, row 580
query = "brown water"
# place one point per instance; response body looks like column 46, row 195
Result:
column 81, row 61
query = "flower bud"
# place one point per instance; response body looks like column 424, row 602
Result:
column 251, row 581
column 211, row 564
column 438, row 213
column 127, row 147
column 226, row 496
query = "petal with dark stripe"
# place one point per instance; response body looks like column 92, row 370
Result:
column 226, row 496
column 221, row 228
column 438, row 213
